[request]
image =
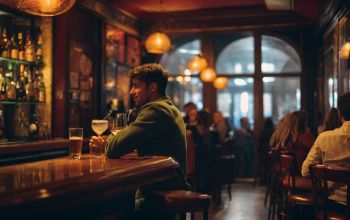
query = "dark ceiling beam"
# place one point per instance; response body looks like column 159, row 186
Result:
column 183, row 23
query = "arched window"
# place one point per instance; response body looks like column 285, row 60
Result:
column 280, row 73
column 182, row 86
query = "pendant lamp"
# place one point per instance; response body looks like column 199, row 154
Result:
column 45, row 7
column 208, row 74
column 157, row 43
column 197, row 64
column 220, row 83
column 345, row 50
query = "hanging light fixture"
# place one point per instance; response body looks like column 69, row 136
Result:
column 220, row 82
column 157, row 43
column 45, row 7
column 197, row 64
column 345, row 50
column 208, row 74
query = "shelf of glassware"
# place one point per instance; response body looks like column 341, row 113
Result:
column 15, row 61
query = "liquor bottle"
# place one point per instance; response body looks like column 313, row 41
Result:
column 5, row 45
column 34, row 128
column 29, row 48
column 21, row 85
column 14, row 47
column 2, row 80
column 10, row 85
column 41, row 87
column 36, row 84
column 3, row 93
column 29, row 87
column 22, row 126
column 20, row 46
column 39, row 52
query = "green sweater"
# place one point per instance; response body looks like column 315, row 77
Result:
column 159, row 129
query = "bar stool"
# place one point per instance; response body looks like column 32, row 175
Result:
column 182, row 201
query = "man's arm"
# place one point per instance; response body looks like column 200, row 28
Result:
column 138, row 132
column 314, row 157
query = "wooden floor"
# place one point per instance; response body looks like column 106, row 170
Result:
column 247, row 203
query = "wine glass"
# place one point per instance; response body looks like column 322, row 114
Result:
column 119, row 123
column 98, row 126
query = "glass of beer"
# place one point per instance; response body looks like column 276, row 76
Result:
column 119, row 123
column 76, row 142
column 98, row 126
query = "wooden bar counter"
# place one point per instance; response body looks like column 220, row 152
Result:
column 65, row 188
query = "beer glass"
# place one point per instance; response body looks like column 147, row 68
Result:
column 119, row 123
column 98, row 126
column 76, row 143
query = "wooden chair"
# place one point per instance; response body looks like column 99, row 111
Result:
column 297, row 189
column 326, row 208
column 181, row 202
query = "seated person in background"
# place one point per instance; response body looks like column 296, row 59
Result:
column 263, row 148
column 188, row 107
column 333, row 147
column 220, row 125
column 158, row 129
column 292, row 136
column 331, row 122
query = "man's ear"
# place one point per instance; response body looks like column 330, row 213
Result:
column 153, row 87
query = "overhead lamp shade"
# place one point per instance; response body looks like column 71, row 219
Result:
column 157, row 43
column 197, row 64
column 45, row 7
column 345, row 50
column 208, row 74
column 220, row 82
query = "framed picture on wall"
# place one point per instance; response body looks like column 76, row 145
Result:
column 115, row 45
column 133, row 51
column 123, row 85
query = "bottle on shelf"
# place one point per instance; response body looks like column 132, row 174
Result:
column 20, row 46
column 39, row 52
column 3, row 92
column 34, row 128
column 29, row 86
column 5, row 44
column 41, row 87
column 22, row 125
column 11, row 84
column 29, row 53
column 14, row 47
column 21, row 85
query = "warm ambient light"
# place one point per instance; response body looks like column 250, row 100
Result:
column 197, row 63
column 45, row 7
column 208, row 75
column 220, row 82
column 345, row 50
column 157, row 43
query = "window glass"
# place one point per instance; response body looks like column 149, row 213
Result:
column 278, row 56
column 237, row 101
column 281, row 96
column 237, row 57
column 176, row 61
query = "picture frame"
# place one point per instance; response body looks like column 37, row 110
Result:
column 115, row 45
column 133, row 51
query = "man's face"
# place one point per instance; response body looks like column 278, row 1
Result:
column 140, row 92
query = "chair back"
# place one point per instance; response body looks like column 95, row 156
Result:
column 288, row 166
column 320, row 175
column 274, row 164
column 191, row 155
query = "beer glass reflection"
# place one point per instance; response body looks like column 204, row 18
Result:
column 76, row 143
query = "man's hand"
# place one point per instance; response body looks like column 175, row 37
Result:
column 97, row 141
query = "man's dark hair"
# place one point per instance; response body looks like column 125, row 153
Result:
column 149, row 73
column 344, row 105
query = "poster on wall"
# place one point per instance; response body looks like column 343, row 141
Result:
column 115, row 45
column 123, row 85
column 133, row 51
column 80, row 75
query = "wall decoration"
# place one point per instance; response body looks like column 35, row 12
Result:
column 123, row 85
column 133, row 52
column 115, row 45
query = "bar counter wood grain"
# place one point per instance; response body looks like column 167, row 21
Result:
column 58, row 186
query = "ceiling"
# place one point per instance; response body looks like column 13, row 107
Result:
column 146, row 8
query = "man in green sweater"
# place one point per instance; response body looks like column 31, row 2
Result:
column 159, row 128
